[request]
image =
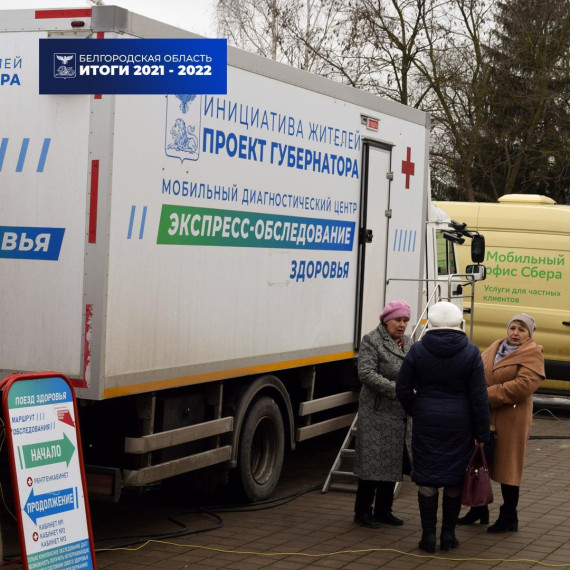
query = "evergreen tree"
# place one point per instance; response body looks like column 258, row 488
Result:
column 525, row 143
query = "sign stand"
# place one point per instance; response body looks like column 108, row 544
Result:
column 46, row 461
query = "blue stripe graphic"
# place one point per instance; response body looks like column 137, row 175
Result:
column 3, row 148
column 23, row 153
column 22, row 157
column 405, row 240
column 131, row 222
column 143, row 220
column 43, row 155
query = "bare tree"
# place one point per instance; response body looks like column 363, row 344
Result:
column 394, row 39
column 450, row 58
column 252, row 24
column 305, row 34
column 429, row 54
column 457, row 73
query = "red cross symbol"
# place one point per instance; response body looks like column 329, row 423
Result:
column 408, row 167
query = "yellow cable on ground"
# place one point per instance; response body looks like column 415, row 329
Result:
column 323, row 555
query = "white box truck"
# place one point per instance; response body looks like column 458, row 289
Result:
column 203, row 267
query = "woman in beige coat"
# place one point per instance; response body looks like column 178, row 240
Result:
column 514, row 369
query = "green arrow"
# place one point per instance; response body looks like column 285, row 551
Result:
column 48, row 452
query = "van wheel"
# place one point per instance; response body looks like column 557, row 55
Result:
column 261, row 449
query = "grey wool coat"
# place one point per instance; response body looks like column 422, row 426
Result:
column 383, row 429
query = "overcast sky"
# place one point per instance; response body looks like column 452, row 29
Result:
column 194, row 15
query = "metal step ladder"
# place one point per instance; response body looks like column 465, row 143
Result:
column 342, row 477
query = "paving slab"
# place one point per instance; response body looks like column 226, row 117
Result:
column 311, row 529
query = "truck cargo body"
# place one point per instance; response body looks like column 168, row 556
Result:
column 202, row 266
column 527, row 256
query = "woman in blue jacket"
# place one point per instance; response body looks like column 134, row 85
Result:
column 442, row 386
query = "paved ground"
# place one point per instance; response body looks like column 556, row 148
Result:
column 315, row 530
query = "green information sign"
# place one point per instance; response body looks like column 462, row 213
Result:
column 40, row 414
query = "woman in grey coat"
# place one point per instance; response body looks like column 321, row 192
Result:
column 382, row 429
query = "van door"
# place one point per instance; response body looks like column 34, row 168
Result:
column 373, row 237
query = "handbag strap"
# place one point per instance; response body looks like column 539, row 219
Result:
column 479, row 449
column 484, row 459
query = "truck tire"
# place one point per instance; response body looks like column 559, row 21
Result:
column 261, row 449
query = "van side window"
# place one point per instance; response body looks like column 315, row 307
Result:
column 446, row 263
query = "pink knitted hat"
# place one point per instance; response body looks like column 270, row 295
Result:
column 395, row 310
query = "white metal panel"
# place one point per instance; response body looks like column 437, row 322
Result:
column 180, row 305
column 409, row 197
column 42, row 184
column 170, row 307
column 165, row 308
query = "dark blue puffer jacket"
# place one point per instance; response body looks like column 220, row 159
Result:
column 442, row 386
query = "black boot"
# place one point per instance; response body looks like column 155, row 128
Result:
column 362, row 505
column 383, row 507
column 475, row 514
column 428, row 516
column 366, row 519
column 507, row 522
column 450, row 507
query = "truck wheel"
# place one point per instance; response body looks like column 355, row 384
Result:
column 261, row 448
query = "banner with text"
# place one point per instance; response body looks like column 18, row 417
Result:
column 134, row 66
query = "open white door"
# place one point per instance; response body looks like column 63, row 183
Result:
column 374, row 221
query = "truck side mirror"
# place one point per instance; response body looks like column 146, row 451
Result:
column 478, row 248
column 479, row 272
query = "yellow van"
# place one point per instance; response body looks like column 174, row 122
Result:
column 527, row 240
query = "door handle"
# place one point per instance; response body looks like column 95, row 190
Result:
column 566, row 323
column 366, row 235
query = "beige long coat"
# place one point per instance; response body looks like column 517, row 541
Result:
column 510, row 384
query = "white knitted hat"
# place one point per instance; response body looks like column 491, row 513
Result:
column 445, row 315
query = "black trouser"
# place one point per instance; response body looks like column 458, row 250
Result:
column 384, row 491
